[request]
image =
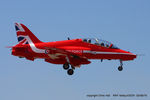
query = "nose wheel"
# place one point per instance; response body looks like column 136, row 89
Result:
column 120, row 68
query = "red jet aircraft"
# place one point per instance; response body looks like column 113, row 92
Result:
column 70, row 53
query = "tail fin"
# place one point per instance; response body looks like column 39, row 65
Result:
column 24, row 35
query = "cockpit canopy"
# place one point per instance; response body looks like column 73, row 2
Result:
column 100, row 42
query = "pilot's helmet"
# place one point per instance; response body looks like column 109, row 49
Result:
column 85, row 40
column 102, row 44
column 89, row 41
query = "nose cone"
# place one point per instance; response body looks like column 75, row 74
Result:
column 128, row 55
column 133, row 55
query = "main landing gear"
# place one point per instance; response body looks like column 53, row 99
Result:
column 66, row 66
column 69, row 71
column 120, row 68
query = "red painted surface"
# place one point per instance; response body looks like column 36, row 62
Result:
column 76, row 51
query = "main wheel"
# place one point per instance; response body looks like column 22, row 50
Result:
column 66, row 66
column 120, row 68
column 70, row 71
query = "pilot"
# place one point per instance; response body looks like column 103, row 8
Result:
column 85, row 40
column 102, row 44
column 89, row 41
column 107, row 45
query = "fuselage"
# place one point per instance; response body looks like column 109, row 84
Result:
column 75, row 46
column 70, row 53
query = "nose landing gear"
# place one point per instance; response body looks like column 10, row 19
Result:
column 120, row 68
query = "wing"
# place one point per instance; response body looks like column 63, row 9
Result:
column 63, row 56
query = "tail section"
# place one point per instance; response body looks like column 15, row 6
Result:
column 24, row 35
